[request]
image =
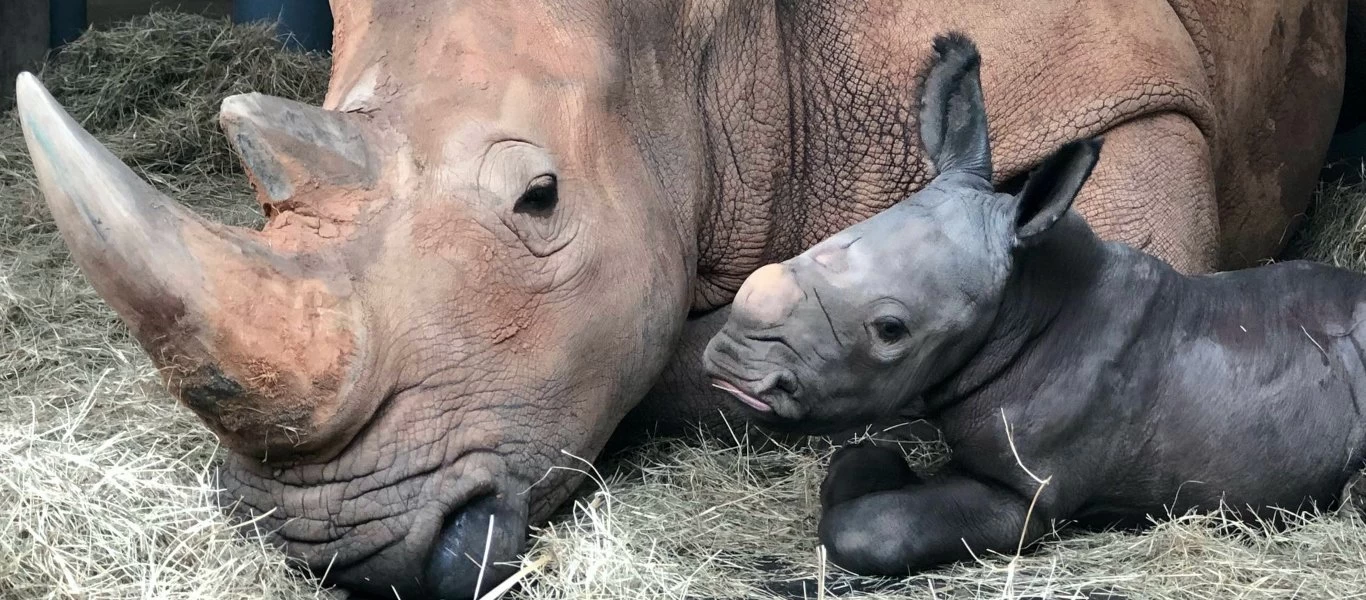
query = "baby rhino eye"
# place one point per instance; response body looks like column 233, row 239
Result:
column 889, row 329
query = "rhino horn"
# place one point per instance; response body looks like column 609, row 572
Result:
column 253, row 341
column 289, row 147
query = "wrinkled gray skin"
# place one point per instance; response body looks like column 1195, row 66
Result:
column 1138, row 390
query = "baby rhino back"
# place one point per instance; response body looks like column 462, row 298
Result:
column 1259, row 398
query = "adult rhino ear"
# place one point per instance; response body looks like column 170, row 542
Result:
column 953, row 116
column 1052, row 187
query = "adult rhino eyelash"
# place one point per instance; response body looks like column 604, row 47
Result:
column 540, row 197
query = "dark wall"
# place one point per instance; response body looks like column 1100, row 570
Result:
column 24, row 29
column 23, row 41
column 107, row 11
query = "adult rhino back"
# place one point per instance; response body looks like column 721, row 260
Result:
column 483, row 250
column 1199, row 121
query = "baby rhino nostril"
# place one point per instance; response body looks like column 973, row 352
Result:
column 779, row 381
column 786, row 382
column 458, row 555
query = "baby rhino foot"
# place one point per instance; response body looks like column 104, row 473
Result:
column 867, row 536
column 863, row 469
column 948, row 518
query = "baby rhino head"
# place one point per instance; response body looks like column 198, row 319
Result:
column 860, row 324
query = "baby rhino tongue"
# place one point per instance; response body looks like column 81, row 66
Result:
column 749, row 400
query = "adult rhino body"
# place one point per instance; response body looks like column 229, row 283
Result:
column 511, row 222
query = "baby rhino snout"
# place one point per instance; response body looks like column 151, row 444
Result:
column 767, row 297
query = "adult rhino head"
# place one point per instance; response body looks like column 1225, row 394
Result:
column 463, row 280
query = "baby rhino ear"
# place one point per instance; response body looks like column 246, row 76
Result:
column 953, row 115
column 1052, row 187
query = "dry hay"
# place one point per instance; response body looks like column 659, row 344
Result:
column 104, row 481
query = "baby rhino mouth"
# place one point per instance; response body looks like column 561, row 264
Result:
column 770, row 390
column 742, row 395
column 773, row 397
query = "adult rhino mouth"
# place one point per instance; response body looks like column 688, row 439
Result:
column 462, row 533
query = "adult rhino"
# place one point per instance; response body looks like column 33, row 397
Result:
column 512, row 221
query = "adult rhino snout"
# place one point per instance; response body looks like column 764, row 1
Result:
column 767, row 297
column 477, row 548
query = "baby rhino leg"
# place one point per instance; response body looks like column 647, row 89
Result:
column 923, row 525
column 862, row 469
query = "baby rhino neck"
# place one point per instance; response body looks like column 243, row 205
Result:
column 1072, row 293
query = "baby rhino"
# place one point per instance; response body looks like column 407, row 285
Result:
column 1040, row 350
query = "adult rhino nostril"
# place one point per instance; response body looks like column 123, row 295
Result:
column 458, row 556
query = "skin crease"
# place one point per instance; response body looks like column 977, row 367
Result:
column 1133, row 388
column 556, row 202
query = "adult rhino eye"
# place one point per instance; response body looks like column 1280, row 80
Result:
column 889, row 329
column 539, row 198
